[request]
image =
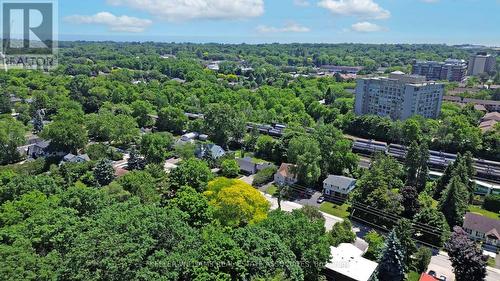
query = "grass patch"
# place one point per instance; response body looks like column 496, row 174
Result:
column 335, row 210
column 412, row 276
column 492, row 262
column 483, row 212
column 272, row 189
column 255, row 160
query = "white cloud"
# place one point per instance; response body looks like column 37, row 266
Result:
column 181, row 10
column 366, row 27
column 114, row 23
column 290, row 27
column 360, row 8
column 302, row 3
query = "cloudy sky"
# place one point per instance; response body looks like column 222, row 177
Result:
column 264, row 21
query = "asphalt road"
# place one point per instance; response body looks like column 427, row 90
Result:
column 442, row 266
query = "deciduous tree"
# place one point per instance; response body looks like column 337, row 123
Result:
column 236, row 203
column 469, row 263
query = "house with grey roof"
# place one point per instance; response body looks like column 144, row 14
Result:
column 38, row 149
column 483, row 229
column 248, row 166
column 209, row 150
column 71, row 158
column 338, row 185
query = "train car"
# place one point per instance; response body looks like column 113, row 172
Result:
column 275, row 133
column 369, row 147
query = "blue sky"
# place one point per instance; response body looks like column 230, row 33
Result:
column 265, row 21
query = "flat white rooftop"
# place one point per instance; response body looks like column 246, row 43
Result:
column 348, row 261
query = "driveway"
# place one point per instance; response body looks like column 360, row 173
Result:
column 310, row 201
column 441, row 264
column 288, row 206
column 248, row 179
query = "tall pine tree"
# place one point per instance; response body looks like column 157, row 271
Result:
column 135, row 161
column 404, row 232
column 416, row 165
column 38, row 122
column 104, row 172
column 454, row 202
column 391, row 264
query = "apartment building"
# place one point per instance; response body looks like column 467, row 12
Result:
column 450, row 69
column 400, row 96
column 481, row 63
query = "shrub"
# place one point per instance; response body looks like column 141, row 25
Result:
column 422, row 259
column 342, row 233
column 492, row 203
column 230, row 168
column 264, row 176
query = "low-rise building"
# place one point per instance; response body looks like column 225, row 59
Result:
column 489, row 121
column 285, row 175
column 483, row 229
column 209, row 150
column 490, row 105
column 339, row 186
column 42, row 149
column 38, row 149
column 426, row 277
column 342, row 69
column 347, row 264
column 71, row 158
column 248, row 166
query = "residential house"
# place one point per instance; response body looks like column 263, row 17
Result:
column 42, row 149
column 285, row 175
column 189, row 136
column 483, row 229
column 426, row 277
column 491, row 116
column 347, row 264
column 71, row 158
column 38, row 149
column 339, row 186
column 248, row 166
column 489, row 121
column 209, row 150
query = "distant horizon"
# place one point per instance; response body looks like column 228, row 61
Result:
column 201, row 40
column 447, row 22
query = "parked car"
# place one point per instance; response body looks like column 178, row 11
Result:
column 310, row 192
column 320, row 200
column 432, row 273
column 442, row 278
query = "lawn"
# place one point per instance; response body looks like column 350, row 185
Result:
column 240, row 154
column 335, row 210
column 272, row 189
column 412, row 276
column 479, row 210
column 491, row 262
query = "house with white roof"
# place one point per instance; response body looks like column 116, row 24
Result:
column 347, row 264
